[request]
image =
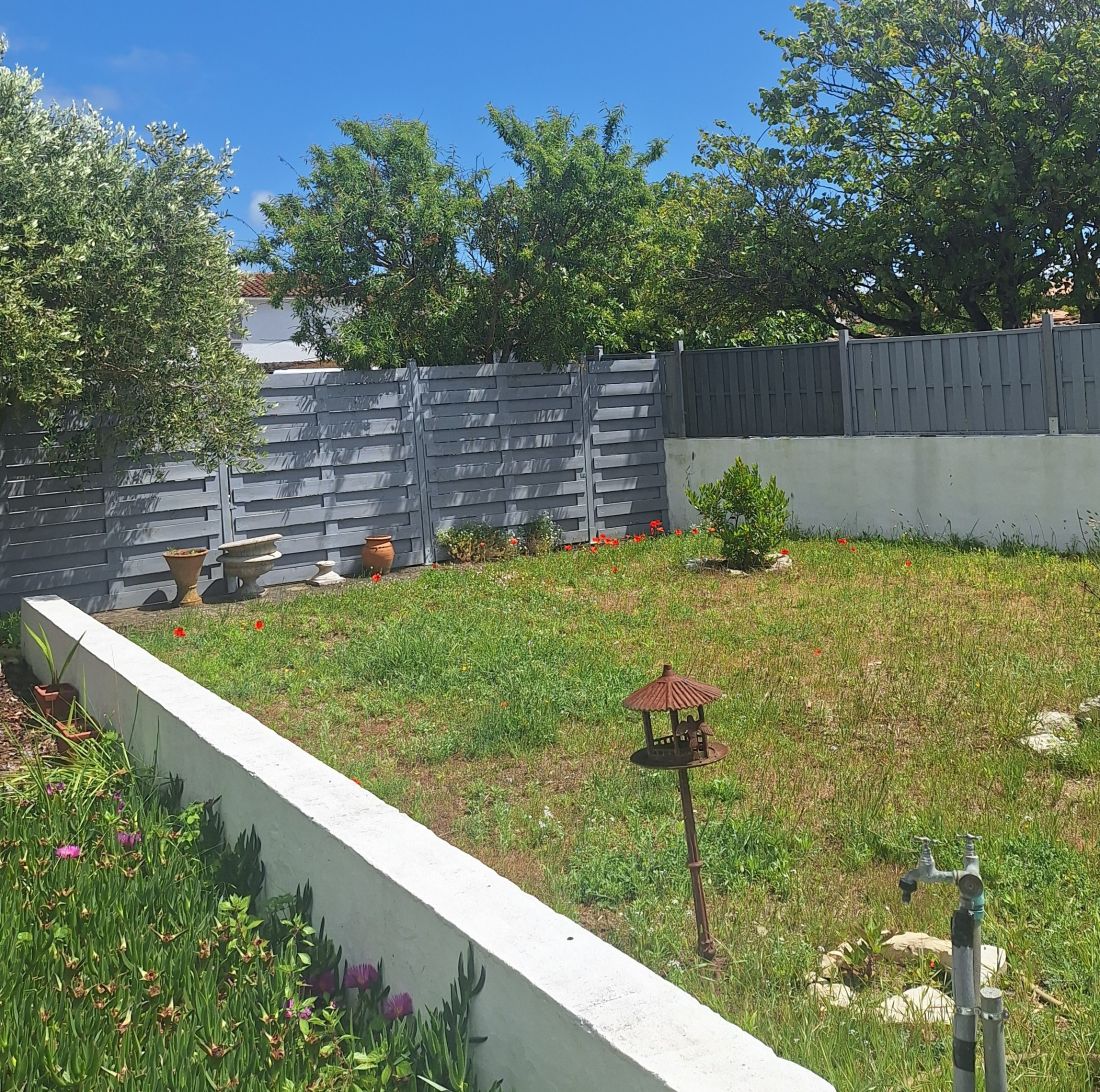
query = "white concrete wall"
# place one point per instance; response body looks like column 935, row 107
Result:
column 563, row 1011
column 1040, row 488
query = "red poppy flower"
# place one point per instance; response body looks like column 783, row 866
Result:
column 259, row 623
column 695, row 530
column 358, row 782
column 784, row 552
column 614, row 568
column 852, row 549
column 179, row 631
column 513, row 542
column 567, row 548
column 817, row 651
column 375, row 577
column 713, row 530
column 908, row 563
column 678, row 532
column 842, row 542
column 594, row 549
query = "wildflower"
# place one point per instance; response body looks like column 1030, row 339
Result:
column 842, row 542
column 695, row 530
column 120, row 804
column 67, row 851
column 179, row 631
column 713, row 530
column 54, row 787
column 594, row 549
column 908, row 563
column 397, row 1006
column 614, row 568
column 325, row 982
column 375, row 577
column 128, row 838
column 817, row 651
column 363, row 976
column 852, row 548
column 567, row 548
column 784, row 552
column 358, row 782
column 513, row 541
column 259, row 624
column 678, row 532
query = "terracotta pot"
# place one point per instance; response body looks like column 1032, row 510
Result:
column 186, row 566
column 70, row 732
column 56, row 702
column 378, row 554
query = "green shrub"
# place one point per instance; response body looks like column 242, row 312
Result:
column 747, row 514
column 476, row 542
column 539, row 536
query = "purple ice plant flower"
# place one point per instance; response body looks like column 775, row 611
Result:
column 325, row 982
column 363, row 976
column 54, row 787
column 67, row 851
column 396, row 1006
column 128, row 838
column 291, row 1012
column 120, row 804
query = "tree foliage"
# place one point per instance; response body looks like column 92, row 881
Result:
column 928, row 165
column 118, row 290
column 390, row 251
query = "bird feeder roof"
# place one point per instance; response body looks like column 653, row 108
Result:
column 671, row 691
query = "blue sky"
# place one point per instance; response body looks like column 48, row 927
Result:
column 272, row 77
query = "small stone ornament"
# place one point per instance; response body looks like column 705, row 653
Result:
column 326, row 575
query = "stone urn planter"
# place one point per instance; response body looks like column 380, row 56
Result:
column 378, row 554
column 185, row 566
column 247, row 560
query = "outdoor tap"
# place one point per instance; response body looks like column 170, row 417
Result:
column 925, row 872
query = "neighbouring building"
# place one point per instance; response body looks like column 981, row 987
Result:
column 269, row 330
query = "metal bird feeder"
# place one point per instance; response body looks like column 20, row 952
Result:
column 687, row 745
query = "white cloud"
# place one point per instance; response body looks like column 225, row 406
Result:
column 255, row 214
column 139, row 59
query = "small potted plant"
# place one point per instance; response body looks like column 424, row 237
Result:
column 185, row 566
column 55, row 699
column 73, row 729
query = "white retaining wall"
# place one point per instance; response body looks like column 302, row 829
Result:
column 563, row 1011
column 1038, row 488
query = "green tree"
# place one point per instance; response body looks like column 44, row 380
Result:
column 118, row 291
column 368, row 248
column 390, row 251
column 556, row 249
column 929, row 165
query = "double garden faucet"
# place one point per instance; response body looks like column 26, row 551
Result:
column 966, row 968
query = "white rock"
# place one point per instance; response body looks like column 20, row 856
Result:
column 1088, row 712
column 1052, row 733
column 912, row 948
column 782, row 562
column 920, row 1004
column 833, row 993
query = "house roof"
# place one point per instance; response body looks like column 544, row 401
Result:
column 255, row 286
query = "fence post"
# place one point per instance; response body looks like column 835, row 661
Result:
column 1050, row 374
column 587, row 425
column 225, row 511
column 672, row 386
column 847, row 391
column 420, row 461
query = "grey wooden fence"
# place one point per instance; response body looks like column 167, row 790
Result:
column 1036, row 380
column 404, row 452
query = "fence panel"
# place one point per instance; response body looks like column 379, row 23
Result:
column 1077, row 369
column 783, row 390
column 988, row 382
column 340, row 463
column 503, row 444
column 627, row 456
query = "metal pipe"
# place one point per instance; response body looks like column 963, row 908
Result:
column 993, row 1040
column 965, row 1029
column 707, row 948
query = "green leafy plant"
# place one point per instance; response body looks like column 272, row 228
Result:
column 476, row 542
column 43, row 643
column 748, row 515
column 539, row 536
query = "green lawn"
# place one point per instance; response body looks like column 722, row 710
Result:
column 866, row 702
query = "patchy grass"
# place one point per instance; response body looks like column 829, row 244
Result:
column 867, row 702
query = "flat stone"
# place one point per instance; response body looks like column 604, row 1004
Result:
column 906, row 949
column 1051, row 732
column 921, row 1004
column 781, row 563
column 833, row 993
column 1088, row 712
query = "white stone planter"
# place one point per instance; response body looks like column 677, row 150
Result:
column 247, row 560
